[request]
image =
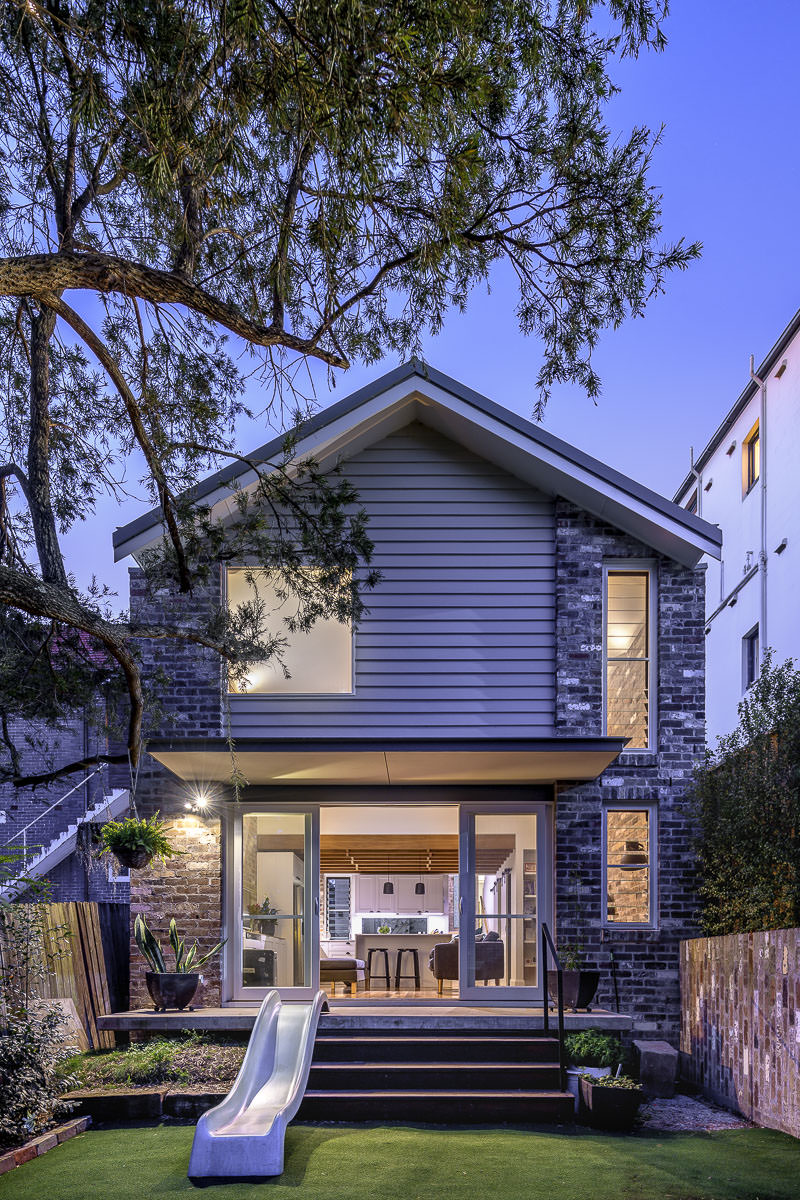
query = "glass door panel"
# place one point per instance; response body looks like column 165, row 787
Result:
column 276, row 931
column 503, row 856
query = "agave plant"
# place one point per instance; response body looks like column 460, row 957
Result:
column 185, row 961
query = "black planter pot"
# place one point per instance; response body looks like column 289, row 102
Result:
column 579, row 988
column 133, row 859
column 609, row 1107
column 171, row 989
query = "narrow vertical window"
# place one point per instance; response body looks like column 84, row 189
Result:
column 750, row 657
column 628, row 655
column 628, row 865
column 751, row 459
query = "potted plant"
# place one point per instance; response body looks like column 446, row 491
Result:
column 590, row 1052
column 135, row 843
column 265, row 910
column 580, row 984
column 611, row 1102
column 170, row 989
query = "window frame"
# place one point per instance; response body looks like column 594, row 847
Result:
column 651, row 808
column 285, row 695
column 635, row 566
column 750, row 480
column 750, row 640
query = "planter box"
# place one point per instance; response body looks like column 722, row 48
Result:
column 609, row 1107
column 579, row 988
column 574, row 1083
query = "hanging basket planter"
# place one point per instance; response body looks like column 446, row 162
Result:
column 135, row 843
column 133, row 860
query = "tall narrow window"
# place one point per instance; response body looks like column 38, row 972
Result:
column 750, row 658
column 628, row 866
column 751, row 459
column 337, row 895
column 628, row 655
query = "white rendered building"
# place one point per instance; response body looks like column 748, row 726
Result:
column 747, row 481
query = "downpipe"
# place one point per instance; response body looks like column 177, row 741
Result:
column 763, row 641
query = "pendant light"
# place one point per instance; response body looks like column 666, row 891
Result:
column 419, row 889
column 388, row 887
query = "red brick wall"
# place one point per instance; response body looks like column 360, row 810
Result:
column 189, row 889
column 740, row 1034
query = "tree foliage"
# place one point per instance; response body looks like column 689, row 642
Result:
column 748, row 796
column 194, row 193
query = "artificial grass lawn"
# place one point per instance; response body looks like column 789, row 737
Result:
column 346, row 1162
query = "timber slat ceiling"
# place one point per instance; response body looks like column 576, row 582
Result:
column 399, row 854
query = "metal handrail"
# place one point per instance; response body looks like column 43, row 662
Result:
column 23, row 833
column 548, row 945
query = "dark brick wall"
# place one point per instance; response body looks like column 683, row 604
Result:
column 187, row 681
column 646, row 961
column 78, row 877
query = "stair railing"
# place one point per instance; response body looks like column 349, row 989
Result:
column 23, row 833
column 548, row 946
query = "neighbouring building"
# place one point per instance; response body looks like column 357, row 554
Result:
column 505, row 741
column 746, row 482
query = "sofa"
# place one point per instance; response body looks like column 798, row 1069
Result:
column 489, row 959
column 340, row 969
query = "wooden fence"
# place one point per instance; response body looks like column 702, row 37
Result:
column 75, row 961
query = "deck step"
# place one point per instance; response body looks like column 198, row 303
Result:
column 455, row 1107
column 433, row 1076
column 395, row 1048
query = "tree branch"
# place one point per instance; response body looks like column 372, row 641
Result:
column 43, row 275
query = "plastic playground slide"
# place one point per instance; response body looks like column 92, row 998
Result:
column 244, row 1135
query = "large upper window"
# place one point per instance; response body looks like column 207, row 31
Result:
column 319, row 661
column 628, row 655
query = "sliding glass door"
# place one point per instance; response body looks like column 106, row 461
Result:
column 505, row 894
column 272, row 903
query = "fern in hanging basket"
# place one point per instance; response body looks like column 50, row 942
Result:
column 135, row 843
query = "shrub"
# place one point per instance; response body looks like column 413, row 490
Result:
column 31, row 1049
column 748, row 807
column 593, row 1048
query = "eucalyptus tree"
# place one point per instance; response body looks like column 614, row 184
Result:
column 198, row 192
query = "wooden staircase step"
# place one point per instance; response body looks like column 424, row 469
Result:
column 454, row 1107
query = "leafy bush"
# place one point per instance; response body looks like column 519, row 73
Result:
column 188, row 1059
column 132, row 834
column 748, row 806
column 31, row 1049
column 593, row 1048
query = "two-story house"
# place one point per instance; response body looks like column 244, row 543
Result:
column 505, row 740
column 745, row 481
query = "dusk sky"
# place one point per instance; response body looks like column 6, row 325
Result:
column 726, row 90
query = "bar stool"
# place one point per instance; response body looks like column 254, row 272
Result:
column 385, row 972
column 398, row 974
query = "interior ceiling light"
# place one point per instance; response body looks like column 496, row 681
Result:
column 419, row 889
column 388, row 887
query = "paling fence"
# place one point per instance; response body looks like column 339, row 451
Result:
column 78, row 951
column 740, row 1023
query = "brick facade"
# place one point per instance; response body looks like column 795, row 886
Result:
column 186, row 681
column 646, row 961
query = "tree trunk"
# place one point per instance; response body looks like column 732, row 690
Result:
column 51, row 562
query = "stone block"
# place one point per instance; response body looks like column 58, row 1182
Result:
column 7, row 1162
column 658, row 1067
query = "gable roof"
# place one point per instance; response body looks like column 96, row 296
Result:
column 745, row 396
column 418, row 392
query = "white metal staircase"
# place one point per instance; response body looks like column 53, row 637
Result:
column 37, row 860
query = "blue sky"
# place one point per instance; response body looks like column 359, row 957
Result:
column 729, row 170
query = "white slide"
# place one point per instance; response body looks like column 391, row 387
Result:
column 244, row 1135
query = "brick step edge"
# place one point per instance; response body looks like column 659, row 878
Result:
column 40, row 1145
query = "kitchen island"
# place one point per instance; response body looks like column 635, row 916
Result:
column 392, row 942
